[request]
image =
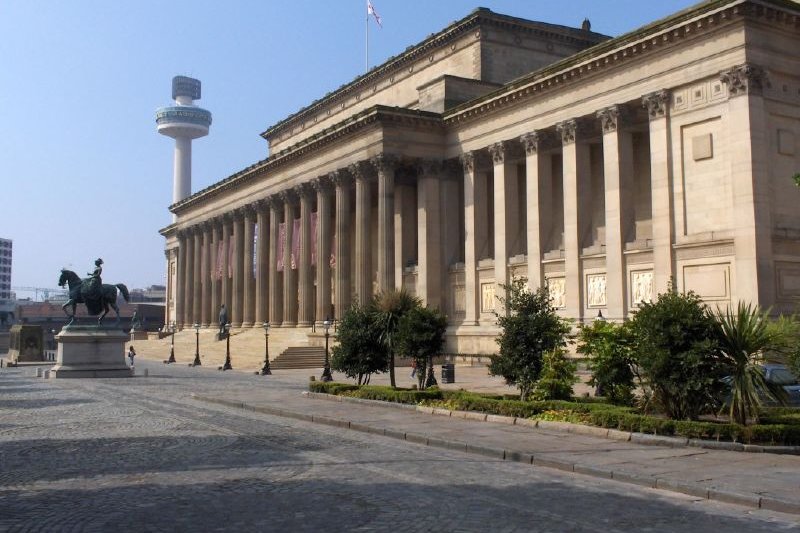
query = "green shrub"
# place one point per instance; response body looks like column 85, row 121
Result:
column 557, row 378
column 608, row 347
column 360, row 352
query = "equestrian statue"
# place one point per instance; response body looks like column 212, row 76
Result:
column 92, row 292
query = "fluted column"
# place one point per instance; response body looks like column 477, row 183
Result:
column 237, row 290
column 289, row 274
column 429, row 234
column 262, row 263
column 657, row 105
column 576, row 168
column 323, row 252
column 248, row 275
column 180, row 279
column 538, row 186
column 216, row 269
column 188, row 282
column 205, row 276
column 363, row 257
column 169, row 307
column 505, row 210
column 385, row 165
column 470, row 241
column 227, row 229
column 197, row 289
column 343, row 285
column 305, row 312
column 275, row 281
column 618, row 176
column 748, row 124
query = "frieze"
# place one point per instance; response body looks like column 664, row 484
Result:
column 557, row 289
column 596, row 290
column 641, row 287
column 699, row 252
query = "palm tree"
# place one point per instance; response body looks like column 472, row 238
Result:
column 389, row 307
column 743, row 339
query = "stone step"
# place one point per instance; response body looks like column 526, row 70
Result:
column 299, row 357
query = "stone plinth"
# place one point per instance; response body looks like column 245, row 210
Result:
column 25, row 344
column 138, row 335
column 91, row 352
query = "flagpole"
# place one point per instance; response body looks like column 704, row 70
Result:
column 366, row 46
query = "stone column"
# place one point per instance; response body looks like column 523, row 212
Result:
column 657, row 105
column 197, row 287
column 619, row 188
column 216, row 282
column 275, row 281
column 505, row 213
column 227, row 228
column 363, row 257
column 188, row 280
column 248, row 275
column 205, row 275
column 343, row 287
column 262, row 263
column 576, row 169
column 385, row 165
column 305, row 314
column 169, row 306
column 323, row 252
column 289, row 274
column 471, row 293
column 180, row 279
column 237, row 292
column 429, row 234
column 748, row 126
column 538, row 190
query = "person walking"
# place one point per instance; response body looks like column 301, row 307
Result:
column 131, row 355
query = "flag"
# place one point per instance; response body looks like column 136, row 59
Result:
column 281, row 245
column 371, row 11
column 314, row 238
column 231, row 246
column 220, row 257
column 295, row 244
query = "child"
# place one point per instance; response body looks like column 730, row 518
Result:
column 131, row 354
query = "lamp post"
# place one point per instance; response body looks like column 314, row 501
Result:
column 196, row 361
column 266, row 370
column 227, row 365
column 600, row 317
column 326, row 372
column 171, row 327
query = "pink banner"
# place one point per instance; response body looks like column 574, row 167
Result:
column 255, row 248
column 314, row 238
column 295, row 243
column 281, row 245
column 333, row 252
column 217, row 273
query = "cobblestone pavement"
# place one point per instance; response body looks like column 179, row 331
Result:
column 141, row 455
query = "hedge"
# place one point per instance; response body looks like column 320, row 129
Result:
column 780, row 426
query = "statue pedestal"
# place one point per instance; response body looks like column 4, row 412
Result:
column 138, row 335
column 91, row 352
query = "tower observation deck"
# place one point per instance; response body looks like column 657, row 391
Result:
column 183, row 122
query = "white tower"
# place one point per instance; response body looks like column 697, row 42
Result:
column 183, row 122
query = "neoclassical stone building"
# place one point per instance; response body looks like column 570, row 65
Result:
column 500, row 147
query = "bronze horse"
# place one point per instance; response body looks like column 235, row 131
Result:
column 79, row 290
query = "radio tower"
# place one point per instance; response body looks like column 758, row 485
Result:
column 183, row 122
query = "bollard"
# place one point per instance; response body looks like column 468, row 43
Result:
column 312, row 378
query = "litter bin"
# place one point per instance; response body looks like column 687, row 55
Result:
column 448, row 373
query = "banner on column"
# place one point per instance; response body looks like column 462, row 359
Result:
column 333, row 252
column 281, row 246
column 255, row 248
column 295, row 243
column 231, row 246
column 313, row 238
column 217, row 273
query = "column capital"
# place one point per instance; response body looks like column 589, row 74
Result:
column 746, row 78
column 304, row 190
column 360, row 170
column 227, row 218
column 428, row 167
column 384, row 162
column 322, row 184
column 287, row 196
column 498, row 152
column 569, row 130
column 536, row 140
column 341, row 177
column 207, row 225
column 168, row 254
column 612, row 117
column 239, row 212
column 274, row 202
column 467, row 160
column 656, row 103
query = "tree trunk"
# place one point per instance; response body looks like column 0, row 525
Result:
column 391, row 369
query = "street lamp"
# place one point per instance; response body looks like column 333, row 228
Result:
column 326, row 372
column 227, row 365
column 171, row 328
column 196, row 345
column 600, row 317
column 266, row 370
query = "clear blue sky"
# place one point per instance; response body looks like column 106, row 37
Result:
column 82, row 170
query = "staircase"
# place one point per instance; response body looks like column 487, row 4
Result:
column 299, row 357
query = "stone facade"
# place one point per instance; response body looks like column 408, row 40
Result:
column 499, row 147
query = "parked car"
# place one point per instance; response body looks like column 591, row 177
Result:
column 781, row 375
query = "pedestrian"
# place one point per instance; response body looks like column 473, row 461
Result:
column 131, row 354
column 223, row 319
column 413, row 367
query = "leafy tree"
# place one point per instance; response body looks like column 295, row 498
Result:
column 608, row 347
column 388, row 308
column 675, row 348
column 420, row 335
column 530, row 329
column 557, row 378
column 360, row 352
column 743, row 338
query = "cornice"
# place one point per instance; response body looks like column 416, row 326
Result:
column 376, row 115
column 395, row 65
column 610, row 54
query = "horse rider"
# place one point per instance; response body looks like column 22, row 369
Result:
column 95, row 285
